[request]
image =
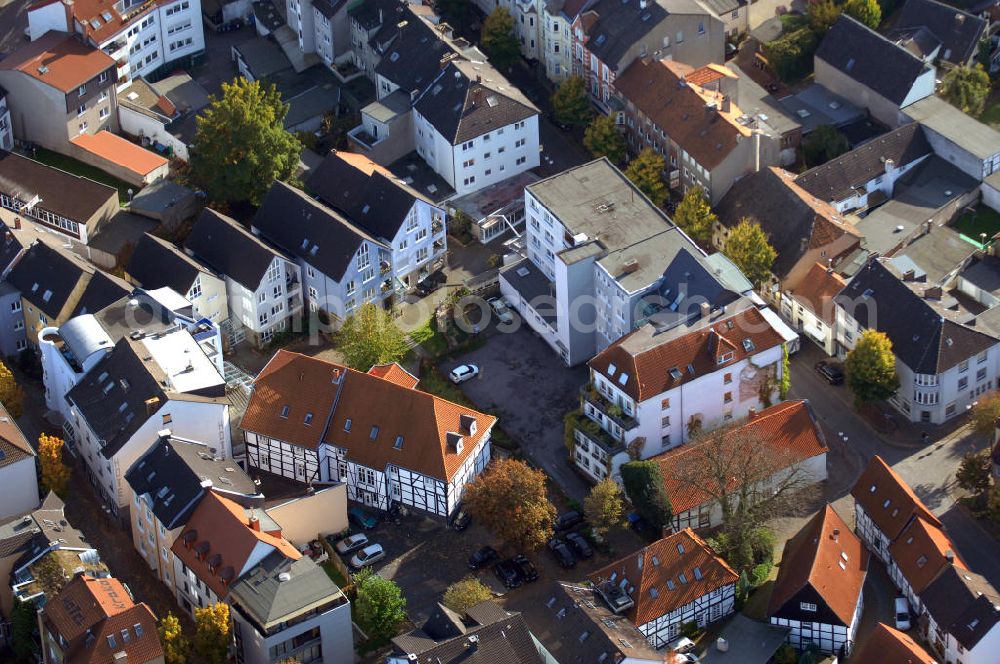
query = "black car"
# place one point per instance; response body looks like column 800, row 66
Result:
column 525, row 568
column 462, row 521
column 567, row 520
column 580, row 545
column 482, row 557
column 831, row 372
column 508, row 573
column 562, row 553
column 431, row 283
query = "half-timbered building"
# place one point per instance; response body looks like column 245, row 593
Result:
column 673, row 581
column 883, row 506
column 818, row 592
column 318, row 422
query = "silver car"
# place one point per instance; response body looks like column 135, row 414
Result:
column 369, row 555
column 501, row 309
column 352, row 543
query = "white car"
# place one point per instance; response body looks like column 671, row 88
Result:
column 501, row 309
column 352, row 543
column 463, row 372
column 367, row 556
column 902, row 614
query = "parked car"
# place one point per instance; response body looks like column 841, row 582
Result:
column 525, row 567
column 567, row 520
column 501, row 309
column 361, row 518
column 431, row 283
column 580, row 545
column 352, row 543
column 508, row 573
column 902, row 614
column 461, row 521
column 482, row 557
column 682, row 645
column 561, row 552
column 463, row 372
column 831, row 372
column 369, row 555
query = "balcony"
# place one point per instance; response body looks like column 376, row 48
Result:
column 362, row 138
column 437, row 225
column 592, row 431
column 385, row 267
column 610, row 410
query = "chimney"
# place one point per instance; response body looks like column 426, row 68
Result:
column 68, row 8
column 79, row 571
column 726, row 104
column 17, row 223
column 151, row 405
column 752, row 414
column 706, row 309
column 473, row 644
column 949, row 555
column 836, row 535
column 254, row 522
column 630, row 266
column 756, row 151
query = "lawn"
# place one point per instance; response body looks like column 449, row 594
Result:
column 76, row 167
column 981, row 220
column 334, row 574
column 991, row 114
column 428, row 336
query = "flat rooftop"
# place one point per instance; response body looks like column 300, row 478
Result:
column 415, row 173
column 750, row 642
column 183, row 361
column 596, row 201
column 817, row 106
column 507, row 193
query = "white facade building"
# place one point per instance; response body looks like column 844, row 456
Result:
column 17, row 469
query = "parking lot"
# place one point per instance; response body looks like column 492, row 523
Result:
column 527, row 386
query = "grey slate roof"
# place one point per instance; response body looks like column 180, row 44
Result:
column 870, row 59
column 112, row 397
column 268, row 600
column 963, row 603
column 102, row 289
column 32, row 531
column 156, row 263
column 45, row 268
column 413, row 58
column 922, row 335
column 175, row 473
column 467, row 100
column 957, row 31
column 68, row 195
column 620, row 25
column 10, row 247
column 229, row 249
column 374, row 202
column 500, row 638
column 309, row 230
column 837, row 179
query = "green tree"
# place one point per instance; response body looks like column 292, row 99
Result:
column 571, row 103
column 822, row 15
column 24, row 626
column 748, row 248
column 646, row 172
column 966, row 88
column 604, row 507
column 240, row 144
column 212, row 632
column 511, row 500
column 176, row 648
column 985, row 414
column 498, row 39
column 644, row 487
column 974, row 473
column 984, row 51
column 866, row 11
column 603, row 139
column 466, row 593
column 380, row 606
column 370, row 336
column 11, row 394
column 791, row 55
column 786, row 374
column 823, row 144
column 871, row 368
column 695, row 217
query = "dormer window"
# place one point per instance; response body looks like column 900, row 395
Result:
column 726, row 357
column 399, row 443
column 308, row 419
column 284, row 411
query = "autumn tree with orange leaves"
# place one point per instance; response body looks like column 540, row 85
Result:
column 509, row 498
column 55, row 473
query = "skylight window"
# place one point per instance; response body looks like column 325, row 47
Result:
column 680, row 548
column 683, row 579
column 654, row 593
column 347, row 424
column 374, row 433
column 284, row 411
column 612, row 369
column 308, row 419
column 622, row 379
column 697, row 573
column 670, row 584
column 748, row 345
column 399, row 443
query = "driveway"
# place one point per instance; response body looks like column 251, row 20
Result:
column 527, row 386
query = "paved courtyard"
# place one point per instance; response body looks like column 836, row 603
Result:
column 524, row 383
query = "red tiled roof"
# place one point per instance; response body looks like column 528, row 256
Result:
column 649, row 370
column 658, row 90
column 87, row 11
column 217, row 542
column 59, row 60
column 888, row 500
column 12, row 440
column 921, row 551
column 655, row 573
column 817, row 290
column 395, row 374
column 827, row 556
column 102, row 608
column 788, row 428
column 890, row 646
column 120, row 152
column 421, row 419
